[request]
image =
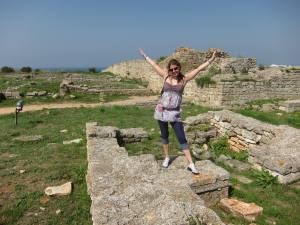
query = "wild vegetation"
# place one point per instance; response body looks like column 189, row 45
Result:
column 206, row 79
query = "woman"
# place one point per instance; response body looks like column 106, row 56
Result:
column 168, row 108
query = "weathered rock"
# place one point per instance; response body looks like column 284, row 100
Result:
column 133, row 135
column 135, row 190
column 248, row 211
column 242, row 179
column 238, row 165
column 27, row 138
column 274, row 148
column 268, row 107
column 12, row 94
column 42, row 93
column 31, row 94
column 64, row 189
column 290, row 106
column 55, row 96
column 75, row 141
column 281, row 157
column 64, row 87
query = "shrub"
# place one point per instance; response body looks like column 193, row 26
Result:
column 92, row 70
column 264, row 178
column 204, row 81
column 161, row 59
column 37, row 71
column 6, row 69
column 219, row 146
column 207, row 78
column 26, row 69
column 244, row 70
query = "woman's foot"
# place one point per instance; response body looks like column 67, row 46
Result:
column 193, row 168
column 166, row 162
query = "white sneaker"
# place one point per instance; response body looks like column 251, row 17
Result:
column 192, row 168
column 166, row 162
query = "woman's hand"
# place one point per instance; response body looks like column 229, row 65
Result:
column 214, row 55
column 142, row 53
column 158, row 69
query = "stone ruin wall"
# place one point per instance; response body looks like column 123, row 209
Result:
column 274, row 148
column 223, row 93
column 239, row 92
column 142, row 70
column 136, row 190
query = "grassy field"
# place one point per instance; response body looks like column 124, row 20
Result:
column 49, row 162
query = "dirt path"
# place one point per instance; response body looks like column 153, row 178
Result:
column 131, row 101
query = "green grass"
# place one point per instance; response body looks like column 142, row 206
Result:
column 291, row 119
column 52, row 86
column 220, row 146
column 280, row 202
column 49, row 162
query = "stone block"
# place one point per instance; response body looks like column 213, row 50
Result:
column 248, row 211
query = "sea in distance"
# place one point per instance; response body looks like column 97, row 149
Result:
column 69, row 69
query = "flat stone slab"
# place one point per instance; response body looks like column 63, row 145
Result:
column 26, row 138
column 137, row 190
column 248, row 211
column 282, row 156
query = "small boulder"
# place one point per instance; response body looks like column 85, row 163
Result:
column 248, row 211
column 64, row 189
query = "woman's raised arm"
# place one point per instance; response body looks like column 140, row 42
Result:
column 157, row 68
column 190, row 75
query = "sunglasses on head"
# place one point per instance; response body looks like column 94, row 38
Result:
column 173, row 69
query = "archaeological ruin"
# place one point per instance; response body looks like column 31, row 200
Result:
column 238, row 81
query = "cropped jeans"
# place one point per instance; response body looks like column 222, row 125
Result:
column 179, row 132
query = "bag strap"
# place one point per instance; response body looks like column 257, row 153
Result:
column 162, row 89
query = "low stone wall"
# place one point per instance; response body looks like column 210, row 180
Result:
column 68, row 86
column 290, row 106
column 239, row 92
column 136, row 190
column 275, row 148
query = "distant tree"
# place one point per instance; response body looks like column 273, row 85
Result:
column 161, row 59
column 37, row 71
column 6, row 69
column 26, row 69
column 92, row 70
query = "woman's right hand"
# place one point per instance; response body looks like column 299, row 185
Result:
column 142, row 52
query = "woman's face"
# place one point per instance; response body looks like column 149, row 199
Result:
column 174, row 70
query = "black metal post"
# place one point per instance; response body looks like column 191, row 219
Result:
column 16, row 117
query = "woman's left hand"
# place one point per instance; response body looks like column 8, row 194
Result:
column 214, row 55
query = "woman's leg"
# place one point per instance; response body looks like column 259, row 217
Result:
column 179, row 131
column 164, row 134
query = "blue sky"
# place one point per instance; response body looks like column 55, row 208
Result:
column 72, row 33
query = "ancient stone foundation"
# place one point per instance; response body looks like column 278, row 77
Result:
column 137, row 190
column 270, row 147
